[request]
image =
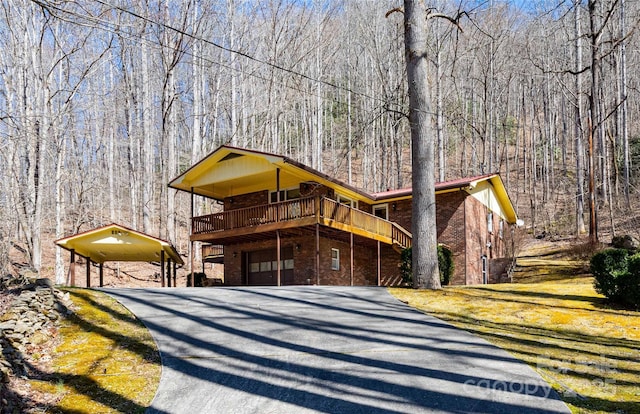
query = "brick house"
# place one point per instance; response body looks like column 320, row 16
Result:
column 284, row 223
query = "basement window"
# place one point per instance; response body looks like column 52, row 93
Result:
column 335, row 259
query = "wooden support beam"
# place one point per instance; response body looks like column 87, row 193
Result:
column 101, row 274
column 378, row 262
column 278, row 256
column 351, row 244
column 162, row 268
column 169, row 273
column 88, row 272
column 317, row 254
column 351, row 254
column 72, row 268
column 191, row 278
column 175, row 280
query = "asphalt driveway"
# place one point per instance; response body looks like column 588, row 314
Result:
column 312, row 349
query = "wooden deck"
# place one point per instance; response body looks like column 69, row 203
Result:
column 301, row 212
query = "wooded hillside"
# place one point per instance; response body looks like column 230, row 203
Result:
column 102, row 102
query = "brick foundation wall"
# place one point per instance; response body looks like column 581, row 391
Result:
column 389, row 266
column 461, row 225
column 365, row 262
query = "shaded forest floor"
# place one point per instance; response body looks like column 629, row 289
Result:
column 545, row 260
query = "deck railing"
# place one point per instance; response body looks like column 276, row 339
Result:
column 212, row 250
column 330, row 211
column 254, row 216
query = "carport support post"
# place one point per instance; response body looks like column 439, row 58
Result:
column 169, row 272
column 101, row 274
column 162, row 267
column 88, row 272
column 72, row 268
column 175, row 280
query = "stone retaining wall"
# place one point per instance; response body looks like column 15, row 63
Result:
column 28, row 321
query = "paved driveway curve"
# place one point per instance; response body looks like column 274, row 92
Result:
column 311, row 349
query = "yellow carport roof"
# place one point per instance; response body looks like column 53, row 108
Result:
column 116, row 243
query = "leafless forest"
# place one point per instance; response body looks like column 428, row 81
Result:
column 102, row 102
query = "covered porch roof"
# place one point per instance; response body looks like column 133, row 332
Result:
column 230, row 171
column 116, row 243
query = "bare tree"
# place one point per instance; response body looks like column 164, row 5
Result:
column 425, row 242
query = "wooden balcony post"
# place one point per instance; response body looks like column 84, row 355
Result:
column 351, row 251
column 278, row 205
column 191, row 244
column 317, row 252
column 278, row 256
column 378, row 262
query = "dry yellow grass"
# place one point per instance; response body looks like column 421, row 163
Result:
column 587, row 351
column 107, row 361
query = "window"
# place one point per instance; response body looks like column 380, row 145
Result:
column 501, row 228
column 288, row 264
column 347, row 201
column 335, row 259
column 265, row 266
column 490, row 222
column 290, row 194
column 382, row 211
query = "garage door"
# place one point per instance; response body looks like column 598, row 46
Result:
column 263, row 267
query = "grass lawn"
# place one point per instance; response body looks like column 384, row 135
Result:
column 587, row 351
column 107, row 361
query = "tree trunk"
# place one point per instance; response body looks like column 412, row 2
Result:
column 423, row 226
column 580, row 227
column 623, row 127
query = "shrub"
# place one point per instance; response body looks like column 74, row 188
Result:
column 405, row 266
column 445, row 264
column 607, row 267
column 617, row 276
column 630, row 283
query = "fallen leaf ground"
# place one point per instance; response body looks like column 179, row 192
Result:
column 106, row 362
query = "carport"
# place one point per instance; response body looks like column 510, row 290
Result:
column 116, row 243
